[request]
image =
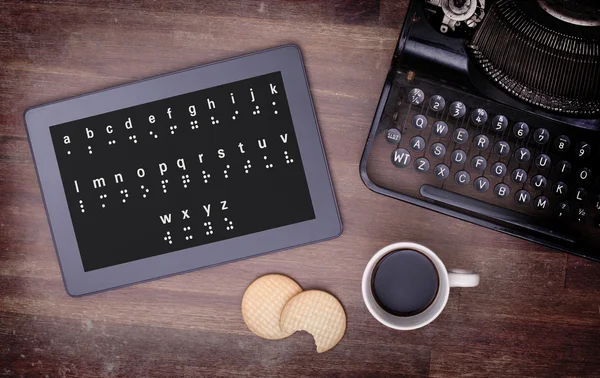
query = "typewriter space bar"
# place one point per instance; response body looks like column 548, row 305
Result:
column 492, row 212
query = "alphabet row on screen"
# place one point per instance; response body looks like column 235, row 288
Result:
column 181, row 166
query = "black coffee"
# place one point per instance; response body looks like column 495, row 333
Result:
column 405, row 282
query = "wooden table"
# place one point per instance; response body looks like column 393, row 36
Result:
column 536, row 312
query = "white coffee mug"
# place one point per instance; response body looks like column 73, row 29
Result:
column 447, row 279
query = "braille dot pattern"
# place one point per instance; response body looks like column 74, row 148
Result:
column 173, row 128
column 225, row 171
column 125, row 195
column 236, row 113
column 145, row 191
column 111, row 142
column 229, row 224
column 90, row 150
column 257, row 111
column 153, row 134
column 247, row 166
column 205, row 176
column 209, row 229
column 133, row 138
column 214, row 121
column 194, row 124
column 186, row 180
column 288, row 160
column 168, row 237
column 164, row 184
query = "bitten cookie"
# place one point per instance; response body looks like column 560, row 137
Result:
column 318, row 313
column 263, row 302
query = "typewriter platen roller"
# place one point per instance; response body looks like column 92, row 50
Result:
column 490, row 113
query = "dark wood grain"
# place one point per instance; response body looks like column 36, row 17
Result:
column 536, row 312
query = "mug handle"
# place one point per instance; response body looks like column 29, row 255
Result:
column 462, row 278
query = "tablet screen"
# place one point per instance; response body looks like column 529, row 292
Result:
column 184, row 171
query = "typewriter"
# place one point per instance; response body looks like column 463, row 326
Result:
column 491, row 113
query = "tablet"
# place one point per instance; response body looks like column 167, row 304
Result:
column 182, row 171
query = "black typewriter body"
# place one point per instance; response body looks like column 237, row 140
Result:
column 491, row 113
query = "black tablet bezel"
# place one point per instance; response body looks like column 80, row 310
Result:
column 285, row 59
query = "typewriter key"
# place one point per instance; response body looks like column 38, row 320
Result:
column 479, row 117
column 481, row 184
column 562, row 210
column 519, row 176
column 541, row 136
column 502, row 148
column 562, row 143
column 457, row 109
column 437, row 103
column 541, row 203
column 580, row 195
column 462, row 178
column 584, row 150
column 416, row 96
column 560, row 188
column 499, row 123
column 440, row 128
column 501, row 190
column 499, row 169
column 539, row 182
column 393, row 136
column 523, row 197
column 521, row 130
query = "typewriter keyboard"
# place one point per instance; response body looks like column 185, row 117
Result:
column 490, row 164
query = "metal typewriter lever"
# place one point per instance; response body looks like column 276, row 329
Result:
column 479, row 208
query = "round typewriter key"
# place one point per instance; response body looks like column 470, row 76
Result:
column 523, row 197
column 479, row 117
column 437, row 103
column 597, row 221
column 539, row 182
column 522, row 155
column 519, row 176
column 481, row 184
column 560, row 189
column 580, row 213
column 564, row 167
column 462, row 178
column 417, row 143
column 416, row 96
column 584, row 150
column 562, row 210
column 438, row 150
column 499, row 169
column 521, row 129
column 501, row 190
column 393, row 136
column 457, row 109
column 441, row 171
column 541, row 203
column 419, row 122
column 562, row 143
column 440, row 128
column 401, row 158
column 501, row 148
column 580, row 194
column 541, row 136
column 543, row 161
column 478, row 163
column 584, row 173
column 422, row 165
column 460, row 135
column 481, row 142
column 499, row 123
column 458, row 157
